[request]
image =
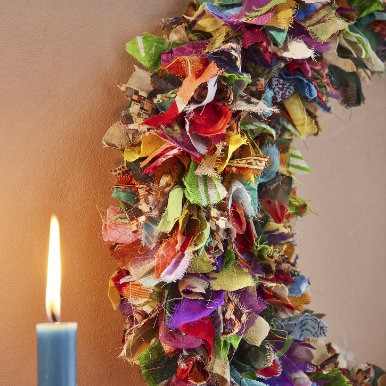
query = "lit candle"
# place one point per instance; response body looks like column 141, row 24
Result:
column 56, row 341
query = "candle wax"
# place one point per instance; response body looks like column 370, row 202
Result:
column 56, row 354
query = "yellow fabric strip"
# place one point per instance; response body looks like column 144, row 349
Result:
column 204, row 233
column 150, row 143
column 258, row 332
column 301, row 120
column 234, row 142
column 209, row 23
column 114, row 294
column 231, row 280
column 300, row 302
column 283, row 15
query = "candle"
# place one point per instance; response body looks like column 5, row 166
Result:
column 56, row 341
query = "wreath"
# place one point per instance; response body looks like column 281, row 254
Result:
column 207, row 280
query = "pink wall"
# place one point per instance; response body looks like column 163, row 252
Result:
column 60, row 63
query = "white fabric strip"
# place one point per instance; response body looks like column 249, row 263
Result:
column 140, row 45
column 212, row 88
column 212, row 190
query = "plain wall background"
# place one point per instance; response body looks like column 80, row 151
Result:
column 60, row 63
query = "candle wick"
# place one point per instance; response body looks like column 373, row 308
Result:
column 54, row 318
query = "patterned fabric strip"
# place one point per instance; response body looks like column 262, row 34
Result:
column 296, row 164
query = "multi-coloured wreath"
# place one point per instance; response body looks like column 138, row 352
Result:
column 208, row 281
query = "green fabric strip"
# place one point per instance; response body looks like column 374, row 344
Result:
column 225, row 343
column 125, row 195
column 366, row 7
column 297, row 157
column 229, row 259
column 287, row 345
column 202, row 190
column 324, row 22
column 335, row 377
column 218, row 195
column 300, row 167
column 278, row 34
column 192, row 190
column 147, row 49
column 229, row 78
column 173, row 210
column 260, row 11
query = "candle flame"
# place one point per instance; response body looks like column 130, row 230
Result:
column 53, row 274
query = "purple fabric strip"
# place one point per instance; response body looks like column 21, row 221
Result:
column 126, row 309
column 335, row 96
column 252, row 304
column 220, row 260
column 191, row 310
column 249, row 257
column 179, row 137
column 288, row 367
column 299, row 352
column 279, row 238
column 322, row 382
column 299, row 32
column 252, row 6
column 190, row 49
column 175, row 271
column 346, row 9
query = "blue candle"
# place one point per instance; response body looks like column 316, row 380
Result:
column 56, row 354
column 56, row 341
